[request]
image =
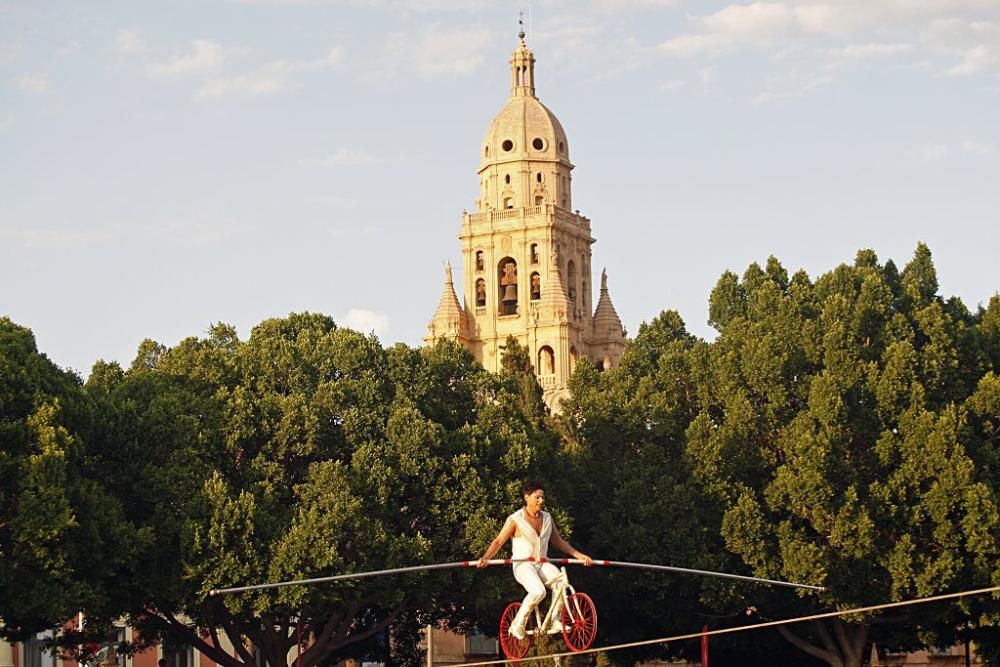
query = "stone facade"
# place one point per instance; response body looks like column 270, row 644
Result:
column 526, row 255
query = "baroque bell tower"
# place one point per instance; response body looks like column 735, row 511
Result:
column 526, row 258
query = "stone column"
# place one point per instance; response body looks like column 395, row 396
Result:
column 6, row 654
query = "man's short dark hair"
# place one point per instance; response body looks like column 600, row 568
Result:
column 531, row 486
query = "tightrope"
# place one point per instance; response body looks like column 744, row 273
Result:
column 743, row 628
column 508, row 561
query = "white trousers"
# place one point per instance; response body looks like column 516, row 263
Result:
column 535, row 577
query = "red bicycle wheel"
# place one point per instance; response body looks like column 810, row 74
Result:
column 579, row 621
column 513, row 648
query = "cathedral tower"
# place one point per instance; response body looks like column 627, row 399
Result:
column 526, row 259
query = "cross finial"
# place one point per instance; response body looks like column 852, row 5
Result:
column 520, row 22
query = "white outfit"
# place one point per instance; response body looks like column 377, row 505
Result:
column 533, row 576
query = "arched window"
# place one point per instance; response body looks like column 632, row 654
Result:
column 572, row 358
column 536, row 286
column 479, row 260
column 508, row 202
column 480, row 293
column 534, row 253
column 507, row 283
column 539, row 200
column 571, row 280
column 546, row 361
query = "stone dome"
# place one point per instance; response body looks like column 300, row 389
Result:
column 525, row 129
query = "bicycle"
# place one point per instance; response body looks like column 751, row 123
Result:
column 578, row 618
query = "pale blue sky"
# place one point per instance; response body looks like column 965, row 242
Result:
column 169, row 164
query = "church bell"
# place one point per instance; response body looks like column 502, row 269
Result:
column 509, row 294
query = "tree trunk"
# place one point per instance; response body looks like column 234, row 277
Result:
column 843, row 647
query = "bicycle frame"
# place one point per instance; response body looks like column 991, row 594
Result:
column 561, row 587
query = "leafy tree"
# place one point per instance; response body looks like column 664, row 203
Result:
column 308, row 449
column 637, row 499
column 62, row 538
column 516, row 362
column 832, row 426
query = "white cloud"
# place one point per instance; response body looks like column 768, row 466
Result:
column 855, row 55
column 622, row 6
column 759, row 24
column 217, row 75
column 758, row 21
column 335, row 201
column 206, row 56
column 367, row 321
column 66, row 50
column 241, row 85
column 981, row 58
column 671, row 86
column 269, row 78
column 307, row 3
column 934, row 152
column 422, row 6
column 928, row 152
column 976, row 148
column 782, row 89
column 958, row 38
column 449, row 53
column 434, row 52
column 11, row 50
column 181, row 229
column 694, row 45
column 130, row 41
column 34, row 84
column 347, row 157
column 974, row 44
column 31, row 237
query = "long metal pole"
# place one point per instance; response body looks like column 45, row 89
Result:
column 508, row 561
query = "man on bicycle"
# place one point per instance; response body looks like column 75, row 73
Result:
column 530, row 530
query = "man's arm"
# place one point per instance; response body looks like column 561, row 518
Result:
column 501, row 539
column 562, row 545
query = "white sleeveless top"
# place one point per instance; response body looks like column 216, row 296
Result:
column 529, row 544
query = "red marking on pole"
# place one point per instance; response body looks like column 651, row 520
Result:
column 605, row 562
column 506, row 561
column 704, row 646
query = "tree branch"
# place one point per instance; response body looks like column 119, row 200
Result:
column 861, row 641
column 808, row 647
column 378, row 627
column 827, row 640
column 169, row 624
column 846, row 645
column 236, row 638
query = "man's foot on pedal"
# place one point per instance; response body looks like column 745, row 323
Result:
column 555, row 627
column 517, row 632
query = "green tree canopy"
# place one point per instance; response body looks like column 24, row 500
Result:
column 62, row 538
column 308, row 449
column 832, row 426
